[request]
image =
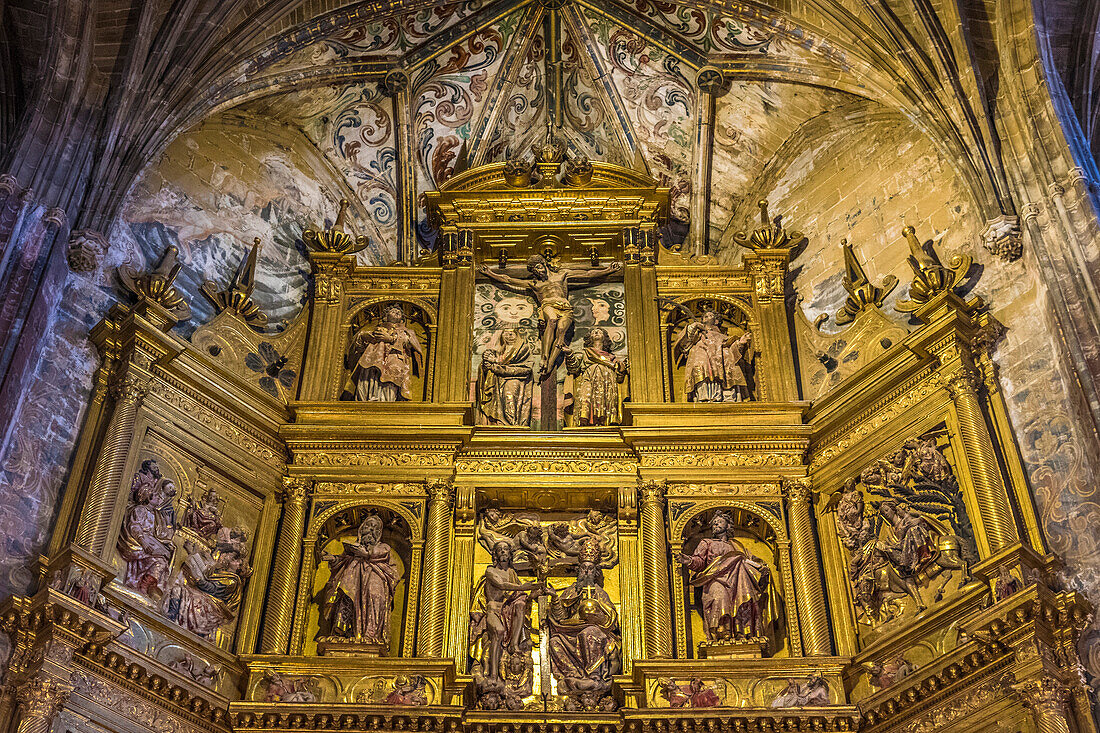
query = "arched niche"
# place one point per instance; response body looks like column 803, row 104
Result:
column 762, row 534
column 734, row 314
column 401, row 530
column 420, row 318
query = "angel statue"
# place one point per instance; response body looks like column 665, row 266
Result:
column 734, row 582
column 550, row 285
column 357, row 601
column 716, row 361
column 388, row 355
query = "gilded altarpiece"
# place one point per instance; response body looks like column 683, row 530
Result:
column 556, row 476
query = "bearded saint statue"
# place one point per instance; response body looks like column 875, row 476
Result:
column 716, row 363
column 388, row 355
column 357, row 601
column 734, row 583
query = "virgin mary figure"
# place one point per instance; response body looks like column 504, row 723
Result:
column 504, row 381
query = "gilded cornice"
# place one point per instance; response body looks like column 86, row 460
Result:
column 196, row 407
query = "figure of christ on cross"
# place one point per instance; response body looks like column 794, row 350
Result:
column 550, row 286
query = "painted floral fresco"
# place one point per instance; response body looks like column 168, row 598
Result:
column 390, row 35
column 524, row 115
column 590, row 126
column 657, row 92
column 708, row 31
column 497, row 309
column 353, row 127
column 449, row 92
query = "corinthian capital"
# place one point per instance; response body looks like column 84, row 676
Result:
column 963, row 381
column 439, row 490
column 295, row 490
column 1046, row 696
column 653, row 490
column 42, row 696
column 799, row 490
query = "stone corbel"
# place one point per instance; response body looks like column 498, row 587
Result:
column 1001, row 237
column 85, row 249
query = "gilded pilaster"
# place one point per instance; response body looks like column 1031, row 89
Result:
column 629, row 580
column 456, row 309
column 324, row 350
column 769, row 270
column 284, row 574
column 433, row 595
column 997, row 527
column 656, row 611
column 40, row 699
column 94, row 527
column 640, row 288
column 812, row 614
column 462, row 575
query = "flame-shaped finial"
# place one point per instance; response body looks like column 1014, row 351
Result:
column 861, row 293
column 336, row 239
column 930, row 276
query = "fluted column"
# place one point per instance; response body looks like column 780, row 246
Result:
column 1047, row 698
column 40, row 699
column 812, row 615
column 433, row 598
column 997, row 524
column 655, row 604
column 103, row 492
column 284, row 573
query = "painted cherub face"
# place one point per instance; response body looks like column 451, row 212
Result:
column 514, row 310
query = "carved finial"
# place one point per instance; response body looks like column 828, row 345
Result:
column 861, row 293
column 930, row 276
column 238, row 296
column 156, row 286
column 770, row 236
column 335, row 239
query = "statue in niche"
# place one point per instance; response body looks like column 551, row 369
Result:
column 813, row 693
column 550, row 285
column 357, row 600
column 735, row 585
column 717, row 363
column 585, row 641
column 145, row 541
column 500, row 634
column 205, row 515
column 205, row 592
column 388, row 355
column 895, row 550
column 598, row 374
column 505, row 381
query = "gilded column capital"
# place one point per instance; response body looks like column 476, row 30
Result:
column 799, row 491
column 129, row 386
column 296, row 490
column 1046, row 696
column 41, row 697
column 439, row 490
column 653, row 490
column 964, row 381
